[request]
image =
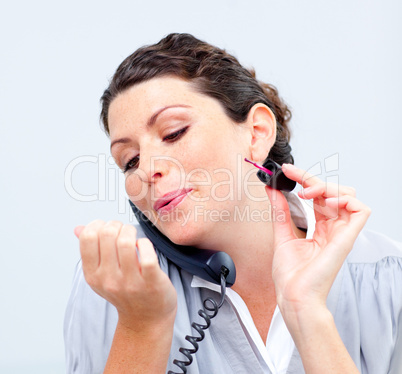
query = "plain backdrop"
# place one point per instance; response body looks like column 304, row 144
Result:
column 336, row 63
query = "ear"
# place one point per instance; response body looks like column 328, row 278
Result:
column 262, row 124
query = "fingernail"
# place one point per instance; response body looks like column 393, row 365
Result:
column 77, row 230
column 287, row 166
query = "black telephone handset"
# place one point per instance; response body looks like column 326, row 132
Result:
column 213, row 266
column 206, row 264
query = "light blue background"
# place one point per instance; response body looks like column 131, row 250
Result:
column 337, row 63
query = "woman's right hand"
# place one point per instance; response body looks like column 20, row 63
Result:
column 135, row 284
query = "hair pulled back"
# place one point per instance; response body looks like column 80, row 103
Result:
column 213, row 72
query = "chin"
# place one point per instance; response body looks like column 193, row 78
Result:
column 188, row 234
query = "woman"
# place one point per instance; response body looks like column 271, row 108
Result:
column 182, row 115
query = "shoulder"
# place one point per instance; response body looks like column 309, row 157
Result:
column 375, row 264
column 369, row 308
column 371, row 247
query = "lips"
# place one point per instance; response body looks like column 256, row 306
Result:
column 171, row 200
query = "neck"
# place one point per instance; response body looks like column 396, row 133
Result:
column 249, row 242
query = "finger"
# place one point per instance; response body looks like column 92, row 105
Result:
column 353, row 215
column 325, row 190
column 148, row 260
column 319, row 193
column 352, row 208
column 347, row 190
column 107, row 246
column 78, row 230
column 89, row 246
column 300, row 176
column 127, row 251
column 281, row 219
column 323, row 211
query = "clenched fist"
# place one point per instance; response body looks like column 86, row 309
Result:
column 125, row 271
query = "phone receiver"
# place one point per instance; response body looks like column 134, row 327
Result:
column 206, row 264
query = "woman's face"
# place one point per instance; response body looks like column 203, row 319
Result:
column 182, row 157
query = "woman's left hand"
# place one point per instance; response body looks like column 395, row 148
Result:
column 304, row 270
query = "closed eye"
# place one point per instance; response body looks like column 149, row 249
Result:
column 133, row 163
column 176, row 135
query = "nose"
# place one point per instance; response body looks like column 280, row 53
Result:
column 153, row 168
column 149, row 170
column 142, row 181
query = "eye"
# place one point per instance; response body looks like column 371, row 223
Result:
column 133, row 163
column 176, row 135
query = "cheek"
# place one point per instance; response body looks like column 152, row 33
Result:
column 223, row 187
column 217, row 170
column 136, row 189
column 137, row 192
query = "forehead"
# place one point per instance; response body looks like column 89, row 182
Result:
column 138, row 103
column 148, row 96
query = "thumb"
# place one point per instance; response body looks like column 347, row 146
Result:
column 78, row 230
column 281, row 219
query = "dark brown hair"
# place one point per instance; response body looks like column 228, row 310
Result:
column 213, row 72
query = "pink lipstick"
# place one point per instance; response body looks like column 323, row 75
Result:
column 171, row 200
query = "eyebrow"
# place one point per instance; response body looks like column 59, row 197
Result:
column 150, row 122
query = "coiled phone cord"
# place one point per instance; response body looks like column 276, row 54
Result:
column 194, row 340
